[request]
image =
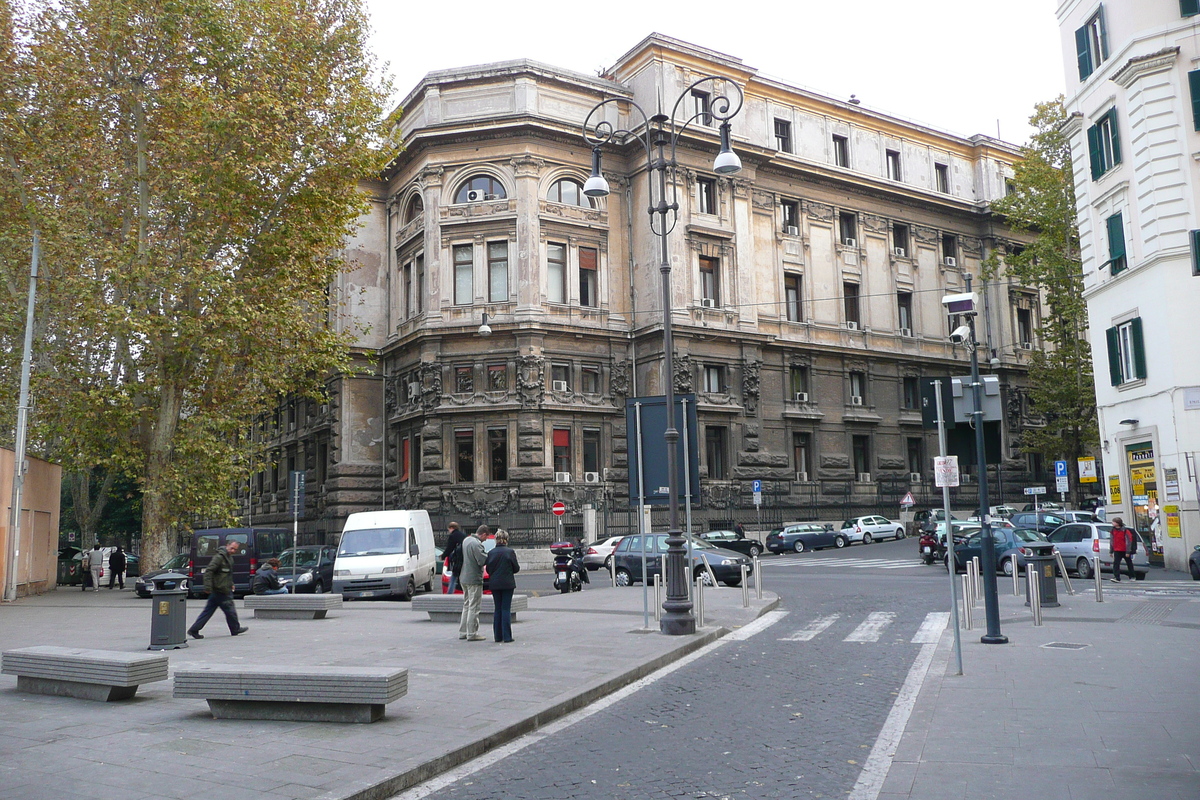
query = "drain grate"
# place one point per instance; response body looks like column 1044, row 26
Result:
column 1066, row 645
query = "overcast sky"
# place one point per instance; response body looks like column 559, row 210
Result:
column 956, row 65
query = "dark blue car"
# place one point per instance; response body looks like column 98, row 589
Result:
column 801, row 536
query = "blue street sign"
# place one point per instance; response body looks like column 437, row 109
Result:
column 1060, row 469
column 756, row 486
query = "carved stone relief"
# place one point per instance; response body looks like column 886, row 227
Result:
column 924, row 235
column 526, row 166
column 971, row 246
column 531, row 380
column 818, row 211
column 750, row 385
column 431, row 385
column 874, row 223
column 763, row 200
column 683, row 374
column 618, row 382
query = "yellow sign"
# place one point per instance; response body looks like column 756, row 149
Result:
column 164, row 607
column 1140, row 476
column 1087, row 470
column 1172, row 512
column 1114, row 489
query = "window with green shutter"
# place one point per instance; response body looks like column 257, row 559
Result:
column 1189, row 8
column 1194, row 90
column 1091, row 44
column 1116, row 244
column 1195, row 238
column 1104, row 144
column 1126, row 352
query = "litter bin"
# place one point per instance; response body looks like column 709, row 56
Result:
column 1041, row 556
column 168, row 612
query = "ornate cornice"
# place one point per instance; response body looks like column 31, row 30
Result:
column 1141, row 66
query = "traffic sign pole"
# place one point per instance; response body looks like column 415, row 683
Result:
column 941, row 427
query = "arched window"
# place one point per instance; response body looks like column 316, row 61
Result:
column 480, row 187
column 569, row 192
column 414, row 209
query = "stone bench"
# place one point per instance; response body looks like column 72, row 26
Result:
column 448, row 607
column 87, row 674
column 292, row 606
column 304, row 694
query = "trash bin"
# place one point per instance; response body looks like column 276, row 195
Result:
column 168, row 612
column 1041, row 556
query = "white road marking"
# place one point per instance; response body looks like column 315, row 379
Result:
column 931, row 629
column 856, row 563
column 872, row 627
column 813, row 628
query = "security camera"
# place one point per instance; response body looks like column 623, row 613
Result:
column 961, row 335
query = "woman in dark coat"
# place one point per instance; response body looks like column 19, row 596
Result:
column 502, row 567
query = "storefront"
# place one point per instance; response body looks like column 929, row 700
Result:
column 1143, row 481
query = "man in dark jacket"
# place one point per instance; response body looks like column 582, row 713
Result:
column 454, row 555
column 218, row 582
column 116, row 567
column 266, row 580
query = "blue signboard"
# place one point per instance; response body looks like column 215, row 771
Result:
column 654, row 467
column 1060, row 469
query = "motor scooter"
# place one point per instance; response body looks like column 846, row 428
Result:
column 569, row 572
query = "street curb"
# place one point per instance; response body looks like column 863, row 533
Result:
column 389, row 787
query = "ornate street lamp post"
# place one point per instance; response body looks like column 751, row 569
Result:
column 660, row 138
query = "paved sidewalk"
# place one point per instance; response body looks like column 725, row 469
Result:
column 464, row 697
column 1116, row 718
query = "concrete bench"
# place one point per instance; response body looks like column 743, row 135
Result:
column 448, row 607
column 304, row 694
column 87, row 674
column 292, row 606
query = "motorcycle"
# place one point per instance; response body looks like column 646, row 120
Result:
column 929, row 547
column 569, row 572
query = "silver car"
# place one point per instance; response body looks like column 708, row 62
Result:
column 871, row 529
column 1079, row 542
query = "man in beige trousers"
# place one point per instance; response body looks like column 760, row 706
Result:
column 471, row 581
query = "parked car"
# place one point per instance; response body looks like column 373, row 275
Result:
column 1194, row 563
column 801, row 536
column 871, row 528
column 255, row 546
column 732, row 540
column 144, row 585
column 1079, row 542
column 627, row 560
column 311, row 569
column 925, row 519
column 1041, row 507
column 1045, row 521
column 1008, row 541
column 598, row 554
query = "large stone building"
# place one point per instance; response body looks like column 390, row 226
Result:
column 806, row 300
column 1133, row 99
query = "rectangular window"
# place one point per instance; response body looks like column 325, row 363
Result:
column 1104, row 144
column 904, row 304
column 1126, row 352
column 841, row 151
column 949, row 249
column 700, row 101
column 498, row 454
column 1116, row 243
column 498, row 272
column 848, row 228
column 915, row 459
column 419, row 285
column 792, row 297
column 589, row 283
column 709, row 282
column 590, row 379
column 893, row 165
column 716, row 452
column 802, row 453
column 1091, row 44
column 714, row 379
column 591, row 451
column 1189, row 8
column 791, row 216
column 562, row 450
column 862, row 455
column 798, row 381
column 900, row 239
column 407, row 303
column 464, row 454
column 941, row 174
column 464, row 380
column 858, row 388
column 1194, row 237
column 560, row 375
column 556, row 272
column 1194, row 92
column 497, row 376
column 912, row 395
column 464, row 268
column 850, row 296
column 706, row 193
column 783, row 135
column 1025, row 327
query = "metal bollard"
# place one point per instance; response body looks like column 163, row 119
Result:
column 1016, row 575
column 1096, row 575
column 745, row 586
column 966, row 595
column 973, row 582
column 757, row 579
column 1062, row 570
column 658, row 598
column 1035, row 595
column 976, row 584
column 699, row 609
column 612, row 571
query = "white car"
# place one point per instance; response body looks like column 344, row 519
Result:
column 870, row 529
column 598, row 554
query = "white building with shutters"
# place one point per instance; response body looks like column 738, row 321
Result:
column 1133, row 100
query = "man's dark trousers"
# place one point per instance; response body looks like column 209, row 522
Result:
column 215, row 601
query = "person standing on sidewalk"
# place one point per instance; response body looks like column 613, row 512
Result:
column 502, row 567
column 1122, row 546
column 95, row 563
column 116, row 567
column 218, row 582
column 454, row 555
column 471, row 578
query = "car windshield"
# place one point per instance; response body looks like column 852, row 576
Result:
column 373, row 542
column 697, row 543
column 304, row 558
column 176, row 562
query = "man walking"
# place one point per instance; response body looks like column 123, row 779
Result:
column 471, row 579
column 1122, row 548
column 116, row 567
column 454, row 555
column 95, row 563
column 218, row 582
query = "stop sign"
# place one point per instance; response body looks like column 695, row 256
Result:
column 559, row 508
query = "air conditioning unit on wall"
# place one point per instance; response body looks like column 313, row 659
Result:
column 906, row 332
column 951, row 262
column 414, row 389
column 591, row 477
column 791, row 230
column 900, row 252
column 850, row 242
column 708, row 302
column 856, row 400
column 558, row 386
column 864, row 477
column 851, row 325
column 801, row 477
column 562, row 477
column 914, row 477
column 801, row 397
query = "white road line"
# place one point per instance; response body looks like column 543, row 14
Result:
column 812, row 629
column 433, row 785
column 872, row 627
column 931, row 629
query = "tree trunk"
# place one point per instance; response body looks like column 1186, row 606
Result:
column 158, row 513
column 87, row 514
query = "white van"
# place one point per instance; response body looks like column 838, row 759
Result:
column 384, row 553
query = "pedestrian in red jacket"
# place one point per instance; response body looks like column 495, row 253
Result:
column 1122, row 545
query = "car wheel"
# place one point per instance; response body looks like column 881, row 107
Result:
column 1084, row 568
column 900, row 534
column 702, row 574
column 319, row 588
column 798, row 546
column 410, row 589
column 868, row 538
column 755, row 550
column 1195, row 570
column 608, row 563
column 734, row 583
column 840, row 541
column 1007, row 566
column 624, row 578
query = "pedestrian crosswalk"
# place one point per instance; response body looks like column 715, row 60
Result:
column 869, row 629
column 855, row 563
